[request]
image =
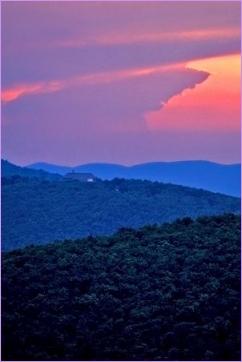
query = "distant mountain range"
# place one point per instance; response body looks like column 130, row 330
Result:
column 225, row 179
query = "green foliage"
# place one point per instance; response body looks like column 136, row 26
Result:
column 35, row 212
column 168, row 292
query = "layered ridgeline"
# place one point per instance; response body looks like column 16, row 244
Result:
column 210, row 176
column 8, row 169
column 157, row 293
column 36, row 212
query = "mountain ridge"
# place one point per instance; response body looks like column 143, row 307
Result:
column 208, row 175
column 9, row 169
column 37, row 211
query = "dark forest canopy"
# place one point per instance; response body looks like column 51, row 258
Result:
column 35, row 211
column 168, row 292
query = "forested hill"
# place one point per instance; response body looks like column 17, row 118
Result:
column 9, row 169
column 153, row 294
column 35, row 212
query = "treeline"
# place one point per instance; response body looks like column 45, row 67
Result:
column 35, row 211
column 168, row 292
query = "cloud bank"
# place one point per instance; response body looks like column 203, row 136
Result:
column 78, row 77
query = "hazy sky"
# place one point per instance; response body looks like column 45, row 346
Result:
column 120, row 82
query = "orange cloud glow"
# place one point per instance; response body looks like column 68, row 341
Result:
column 213, row 104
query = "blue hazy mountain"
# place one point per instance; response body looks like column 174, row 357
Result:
column 105, row 171
column 8, row 169
column 225, row 179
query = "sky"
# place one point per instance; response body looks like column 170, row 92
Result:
column 120, row 82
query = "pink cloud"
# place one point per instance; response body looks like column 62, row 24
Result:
column 146, row 37
column 88, row 121
column 17, row 91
